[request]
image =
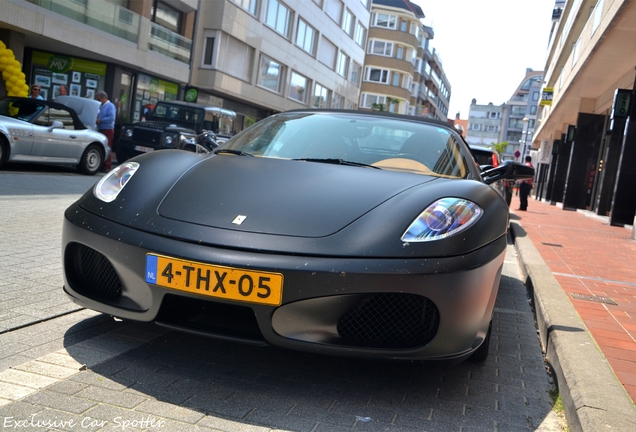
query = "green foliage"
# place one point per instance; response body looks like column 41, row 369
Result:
column 500, row 148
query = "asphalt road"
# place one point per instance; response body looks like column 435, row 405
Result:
column 64, row 368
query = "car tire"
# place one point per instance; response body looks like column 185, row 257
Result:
column 4, row 150
column 91, row 161
column 481, row 353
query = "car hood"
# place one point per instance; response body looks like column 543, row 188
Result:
column 10, row 122
column 280, row 197
column 86, row 109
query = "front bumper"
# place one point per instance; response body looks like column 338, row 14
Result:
column 425, row 309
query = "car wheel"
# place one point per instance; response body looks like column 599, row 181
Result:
column 91, row 161
column 481, row 353
column 4, row 150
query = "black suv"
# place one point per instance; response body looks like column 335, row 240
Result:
column 168, row 125
column 487, row 158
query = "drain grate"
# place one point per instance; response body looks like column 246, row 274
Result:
column 596, row 299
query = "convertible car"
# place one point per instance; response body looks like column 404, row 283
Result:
column 40, row 131
column 360, row 234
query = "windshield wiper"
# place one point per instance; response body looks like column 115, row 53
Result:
column 234, row 152
column 338, row 162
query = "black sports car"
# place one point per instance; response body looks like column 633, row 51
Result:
column 349, row 233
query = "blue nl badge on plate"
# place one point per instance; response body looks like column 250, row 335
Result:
column 151, row 269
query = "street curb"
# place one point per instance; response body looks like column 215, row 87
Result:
column 592, row 395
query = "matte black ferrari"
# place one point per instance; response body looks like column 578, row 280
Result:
column 360, row 234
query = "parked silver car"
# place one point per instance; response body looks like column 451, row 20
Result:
column 40, row 131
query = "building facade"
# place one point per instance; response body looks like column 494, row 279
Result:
column 401, row 74
column 259, row 57
column 586, row 143
column 253, row 57
column 485, row 124
column 519, row 120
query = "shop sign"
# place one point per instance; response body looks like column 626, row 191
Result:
column 620, row 108
column 546, row 96
column 62, row 64
column 191, row 94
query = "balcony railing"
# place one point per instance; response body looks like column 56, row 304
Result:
column 120, row 22
column 169, row 43
column 99, row 14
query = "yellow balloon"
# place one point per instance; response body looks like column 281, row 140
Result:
column 2, row 45
column 13, row 79
column 8, row 69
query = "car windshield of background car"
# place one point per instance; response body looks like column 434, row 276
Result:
column 21, row 109
column 363, row 139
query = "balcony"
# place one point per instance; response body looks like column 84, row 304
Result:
column 101, row 15
column 169, row 43
column 121, row 22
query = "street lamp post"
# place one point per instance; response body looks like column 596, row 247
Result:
column 526, row 126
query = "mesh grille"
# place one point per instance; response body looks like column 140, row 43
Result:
column 390, row 321
column 147, row 137
column 90, row 273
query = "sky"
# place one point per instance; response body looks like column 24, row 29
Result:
column 486, row 45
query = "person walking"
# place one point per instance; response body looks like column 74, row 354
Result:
column 525, row 186
column 35, row 92
column 106, row 124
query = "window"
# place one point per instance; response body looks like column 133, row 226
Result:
column 491, row 128
column 533, row 109
column 356, row 70
column 271, row 74
column 321, row 97
column 377, row 75
column 400, row 52
column 403, row 26
column 337, row 101
column 208, row 51
column 348, row 21
column 166, row 16
column 535, row 96
column 396, row 79
column 327, row 53
column 306, row 37
column 381, row 48
column 333, row 8
column 278, row 17
column 368, row 100
column 361, row 34
column 236, row 58
column 248, row 5
column 298, row 87
column 342, row 66
column 385, row 20
column 475, row 126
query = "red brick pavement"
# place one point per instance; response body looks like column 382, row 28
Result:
column 591, row 258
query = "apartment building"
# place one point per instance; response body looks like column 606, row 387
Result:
column 401, row 74
column 587, row 144
column 250, row 57
column 259, row 57
column 485, row 124
column 519, row 118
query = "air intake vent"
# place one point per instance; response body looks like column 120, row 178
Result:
column 390, row 321
column 90, row 273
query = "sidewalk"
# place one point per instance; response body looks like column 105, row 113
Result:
column 582, row 273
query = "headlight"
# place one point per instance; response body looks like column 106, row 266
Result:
column 443, row 218
column 128, row 133
column 168, row 139
column 112, row 183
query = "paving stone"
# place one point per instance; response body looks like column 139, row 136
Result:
column 26, row 379
column 47, row 369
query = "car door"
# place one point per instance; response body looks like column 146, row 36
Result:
column 62, row 143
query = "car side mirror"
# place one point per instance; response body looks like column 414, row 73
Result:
column 508, row 170
column 56, row 124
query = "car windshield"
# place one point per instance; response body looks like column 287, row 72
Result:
column 19, row 108
column 182, row 115
column 355, row 139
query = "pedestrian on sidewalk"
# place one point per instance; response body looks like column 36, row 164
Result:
column 106, row 123
column 525, row 186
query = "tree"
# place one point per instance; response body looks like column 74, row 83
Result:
column 500, row 148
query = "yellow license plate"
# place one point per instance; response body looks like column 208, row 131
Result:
column 215, row 281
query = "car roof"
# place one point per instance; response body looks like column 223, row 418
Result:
column 214, row 110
